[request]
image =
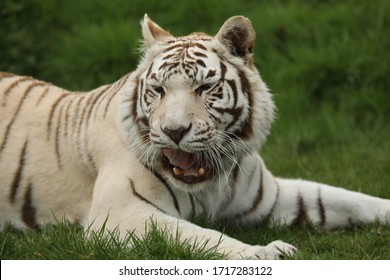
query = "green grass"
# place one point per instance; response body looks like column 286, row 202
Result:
column 327, row 63
column 66, row 241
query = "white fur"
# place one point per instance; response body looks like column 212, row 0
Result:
column 86, row 162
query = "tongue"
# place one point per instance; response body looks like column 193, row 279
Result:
column 180, row 158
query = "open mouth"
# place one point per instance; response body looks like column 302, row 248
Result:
column 190, row 168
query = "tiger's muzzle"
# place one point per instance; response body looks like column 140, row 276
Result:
column 190, row 168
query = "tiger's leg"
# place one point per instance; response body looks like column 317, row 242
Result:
column 127, row 205
column 326, row 206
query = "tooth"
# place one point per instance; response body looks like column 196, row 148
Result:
column 201, row 171
column 178, row 171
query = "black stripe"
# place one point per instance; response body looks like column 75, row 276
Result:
column 143, row 198
column 76, row 112
column 301, row 213
column 233, row 86
column 223, row 70
column 44, row 93
column 135, row 98
column 83, row 113
column 167, row 186
column 10, row 124
column 52, row 111
column 57, row 139
column 28, row 211
column 201, row 63
column 66, row 125
column 7, row 91
column 81, row 136
column 258, row 198
column 179, row 45
column 232, row 186
column 199, row 45
column 321, row 209
column 149, row 70
column 247, row 129
column 18, row 177
column 94, row 104
column 268, row 216
column 199, row 54
column 90, row 107
column 235, row 112
column 193, row 209
column 122, row 82
column 211, row 73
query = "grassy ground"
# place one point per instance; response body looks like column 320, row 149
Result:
column 327, row 63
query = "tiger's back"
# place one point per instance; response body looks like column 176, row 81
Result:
column 47, row 169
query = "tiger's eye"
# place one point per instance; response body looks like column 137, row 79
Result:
column 159, row 90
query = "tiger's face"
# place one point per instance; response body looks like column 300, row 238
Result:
column 199, row 104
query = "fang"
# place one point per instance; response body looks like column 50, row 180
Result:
column 201, row 171
column 177, row 171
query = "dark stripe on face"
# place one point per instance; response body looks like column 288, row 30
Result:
column 136, row 194
column 235, row 112
column 28, row 211
column 223, row 70
column 211, row 73
column 149, row 70
column 18, row 176
column 301, row 213
column 233, row 86
column 199, row 45
column 321, row 209
column 179, row 45
column 168, row 65
column 247, row 129
column 164, row 58
column 199, row 54
column 134, row 99
column 201, row 63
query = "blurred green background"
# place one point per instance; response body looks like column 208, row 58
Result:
column 326, row 61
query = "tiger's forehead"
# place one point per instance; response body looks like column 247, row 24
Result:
column 189, row 57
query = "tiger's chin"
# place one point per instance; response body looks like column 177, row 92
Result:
column 189, row 168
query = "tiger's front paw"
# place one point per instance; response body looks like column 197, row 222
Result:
column 276, row 250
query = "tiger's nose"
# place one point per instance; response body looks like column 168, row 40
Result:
column 176, row 133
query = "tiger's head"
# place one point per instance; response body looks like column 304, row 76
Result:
column 199, row 103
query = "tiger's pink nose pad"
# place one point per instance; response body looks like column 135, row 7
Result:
column 176, row 134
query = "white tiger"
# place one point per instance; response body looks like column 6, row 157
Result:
column 177, row 137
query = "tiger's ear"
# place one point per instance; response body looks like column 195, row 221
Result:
column 238, row 35
column 152, row 32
